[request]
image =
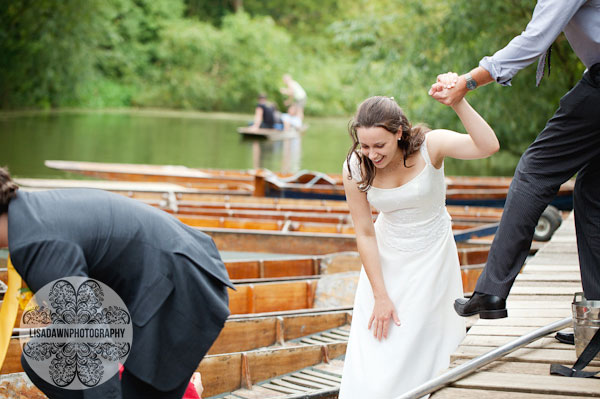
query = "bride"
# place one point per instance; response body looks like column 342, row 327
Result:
column 404, row 327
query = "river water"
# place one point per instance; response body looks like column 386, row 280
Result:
column 204, row 140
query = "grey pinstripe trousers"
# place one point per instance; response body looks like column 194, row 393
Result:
column 569, row 144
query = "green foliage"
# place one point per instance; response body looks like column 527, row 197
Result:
column 46, row 49
column 402, row 53
column 207, row 68
column 219, row 54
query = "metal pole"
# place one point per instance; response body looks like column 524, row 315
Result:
column 472, row 365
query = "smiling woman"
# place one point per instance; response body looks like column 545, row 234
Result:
column 403, row 306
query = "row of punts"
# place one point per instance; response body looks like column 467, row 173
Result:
column 476, row 191
column 290, row 317
column 287, row 315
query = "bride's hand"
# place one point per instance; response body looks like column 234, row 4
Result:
column 383, row 312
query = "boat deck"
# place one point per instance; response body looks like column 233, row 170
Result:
column 542, row 294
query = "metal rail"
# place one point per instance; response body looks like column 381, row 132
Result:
column 472, row 365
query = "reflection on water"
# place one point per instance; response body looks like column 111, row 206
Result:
column 190, row 139
column 288, row 151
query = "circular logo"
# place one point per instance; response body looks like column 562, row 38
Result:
column 74, row 333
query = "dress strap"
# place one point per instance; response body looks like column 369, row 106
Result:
column 354, row 167
column 424, row 151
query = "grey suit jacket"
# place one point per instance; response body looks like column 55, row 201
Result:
column 169, row 275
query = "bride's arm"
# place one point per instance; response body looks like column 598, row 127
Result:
column 366, row 242
column 480, row 142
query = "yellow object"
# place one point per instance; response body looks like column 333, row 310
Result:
column 8, row 312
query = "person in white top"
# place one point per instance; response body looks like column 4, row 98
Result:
column 296, row 95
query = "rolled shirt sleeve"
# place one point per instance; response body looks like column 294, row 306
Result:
column 549, row 19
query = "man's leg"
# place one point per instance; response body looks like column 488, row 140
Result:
column 587, row 225
column 570, row 140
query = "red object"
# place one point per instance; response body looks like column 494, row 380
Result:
column 190, row 392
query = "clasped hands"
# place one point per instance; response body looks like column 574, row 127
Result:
column 446, row 89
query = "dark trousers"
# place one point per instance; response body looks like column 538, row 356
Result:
column 569, row 144
column 128, row 387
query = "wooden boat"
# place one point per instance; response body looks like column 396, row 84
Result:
column 209, row 180
column 482, row 193
column 291, row 319
column 475, row 191
column 270, row 134
column 240, row 240
column 277, row 371
column 188, row 201
column 471, row 228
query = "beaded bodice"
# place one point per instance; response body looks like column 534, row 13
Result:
column 412, row 216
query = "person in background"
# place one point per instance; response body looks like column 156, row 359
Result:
column 403, row 327
column 291, row 119
column 169, row 275
column 296, row 95
column 569, row 144
column 266, row 115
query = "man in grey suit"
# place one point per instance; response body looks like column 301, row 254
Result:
column 569, row 144
column 169, row 275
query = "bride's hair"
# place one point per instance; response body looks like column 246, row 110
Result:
column 8, row 189
column 380, row 111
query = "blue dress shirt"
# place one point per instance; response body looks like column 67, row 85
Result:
column 579, row 19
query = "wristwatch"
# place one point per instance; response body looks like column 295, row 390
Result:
column 471, row 83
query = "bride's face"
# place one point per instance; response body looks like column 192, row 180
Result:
column 378, row 144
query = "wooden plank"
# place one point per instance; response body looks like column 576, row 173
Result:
column 325, row 339
column 519, row 321
column 511, row 331
column 516, row 367
column 221, row 373
column 462, row 393
column 547, row 385
column 334, row 337
column 566, row 289
column 573, row 284
column 323, row 375
column 298, row 326
column 566, row 357
column 281, row 388
column 308, row 383
column 287, row 384
column 535, row 268
column 242, row 335
column 521, row 303
column 550, row 277
column 495, row 341
column 306, row 375
column 568, row 298
column 334, row 367
column 311, row 341
column 12, row 361
column 269, row 364
column 553, row 259
column 256, row 392
column 548, row 312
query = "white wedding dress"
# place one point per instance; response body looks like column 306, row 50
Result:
column 421, row 271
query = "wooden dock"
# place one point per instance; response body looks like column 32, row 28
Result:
column 542, row 294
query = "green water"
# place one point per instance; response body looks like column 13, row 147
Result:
column 180, row 138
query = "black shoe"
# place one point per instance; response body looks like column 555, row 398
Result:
column 488, row 306
column 565, row 338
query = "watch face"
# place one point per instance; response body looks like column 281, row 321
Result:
column 471, row 84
